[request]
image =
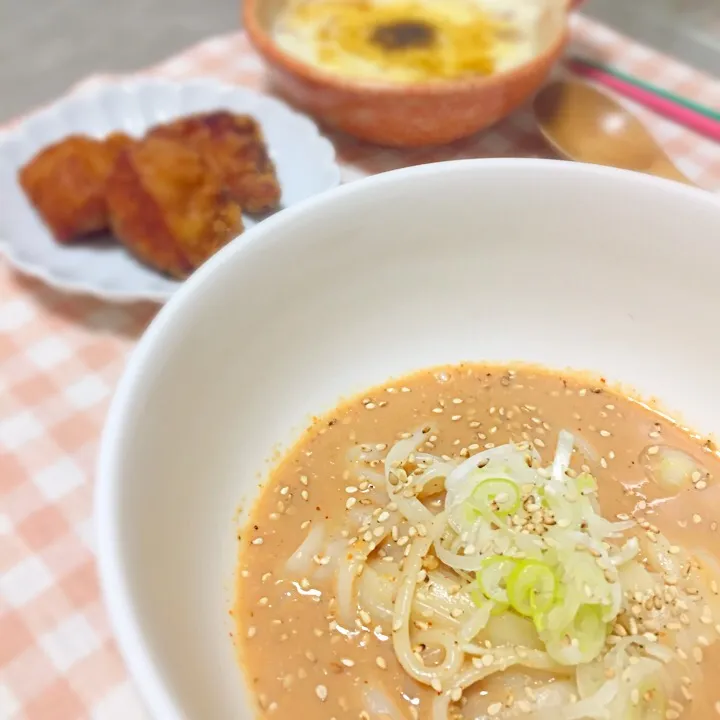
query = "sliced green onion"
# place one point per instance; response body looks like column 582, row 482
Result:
column 470, row 514
column 531, row 588
column 585, row 482
column 582, row 641
column 498, row 495
column 563, row 612
column 492, row 577
column 480, row 599
column 652, row 704
column 589, row 628
column 499, row 608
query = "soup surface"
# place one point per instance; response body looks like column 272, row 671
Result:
column 327, row 528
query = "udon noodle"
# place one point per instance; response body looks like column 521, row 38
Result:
column 492, row 578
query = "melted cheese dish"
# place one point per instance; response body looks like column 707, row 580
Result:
column 413, row 40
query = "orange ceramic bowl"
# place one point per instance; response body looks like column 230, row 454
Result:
column 394, row 114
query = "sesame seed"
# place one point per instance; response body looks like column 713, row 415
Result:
column 381, row 663
column 252, row 631
column 696, row 519
column 605, row 433
column 495, row 709
column 653, row 450
column 263, row 601
column 350, row 502
column 258, row 541
column 321, row 692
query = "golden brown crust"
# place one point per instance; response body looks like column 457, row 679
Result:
column 65, row 182
column 114, row 144
column 235, row 148
column 167, row 208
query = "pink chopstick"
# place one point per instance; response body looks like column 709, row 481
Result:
column 667, row 108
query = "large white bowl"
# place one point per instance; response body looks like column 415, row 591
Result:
column 565, row 265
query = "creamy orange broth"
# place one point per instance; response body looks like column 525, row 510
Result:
column 301, row 664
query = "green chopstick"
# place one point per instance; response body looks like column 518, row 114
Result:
column 678, row 99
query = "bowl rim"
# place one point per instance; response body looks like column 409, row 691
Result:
column 271, row 51
column 125, row 625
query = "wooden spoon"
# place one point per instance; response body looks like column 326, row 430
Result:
column 583, row 124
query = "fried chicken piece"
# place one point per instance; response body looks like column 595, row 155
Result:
column 168, row 208
column 65, row 182
column 114, row 144
column 236, row 150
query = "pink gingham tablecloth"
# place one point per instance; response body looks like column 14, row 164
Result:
column 61, row 356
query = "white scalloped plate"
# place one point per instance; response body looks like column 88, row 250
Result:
column 304, row 159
